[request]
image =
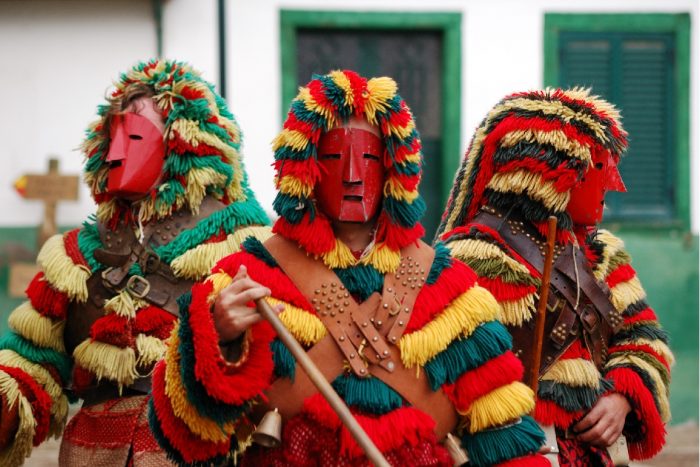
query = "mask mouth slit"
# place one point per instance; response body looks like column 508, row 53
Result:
column 353, row 198
column 115, row 164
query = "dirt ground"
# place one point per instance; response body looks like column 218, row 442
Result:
column 681, row 450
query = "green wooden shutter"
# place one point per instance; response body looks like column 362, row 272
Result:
column 635, row 71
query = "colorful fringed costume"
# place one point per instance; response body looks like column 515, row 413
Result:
column 201, row 211
column 523, row 161
column 202, row 404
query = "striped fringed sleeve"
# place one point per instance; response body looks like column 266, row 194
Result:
column 34, row 365
column 455, row 335
column 639, row 358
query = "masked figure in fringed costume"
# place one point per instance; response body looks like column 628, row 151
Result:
column 402, row 331
column 164, row 168
column 605, row 359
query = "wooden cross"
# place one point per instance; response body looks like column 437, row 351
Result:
column 49, row 188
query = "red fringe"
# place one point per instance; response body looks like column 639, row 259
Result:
column 394, row 236
column 314, row 237
column 307, row 171
column 401, row 152
column 647, row 314
column 473, row 384
column 70, row 243
column 577, row 350
column 358, row 85
column 532, row 460
column 189, row 446
column 549, row 413
column 82, row 378
column 154, row 321
column 506, row 291
column 623, row 273
column 397, row 119
column 628, row 383
column 434, row 298
column 179, row 145
column 318, row 93
column 229, row 385
column 39, row 399
column 639, row 348
column 113, row 329
column 564, row 177
column 191, row 93
column 46, row 300
column 406, row 425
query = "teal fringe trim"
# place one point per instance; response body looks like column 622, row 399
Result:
column 288, row 207
column 89, row 241
column 572, row 398
column 237, row 214
column 488, row 340
column 645, row 330
column 405, row 214
column 367, row 394
column 361, row 280
column 442, row 261
column 255, row 247
column 285, row 364
column 181, row 164
column 493, row 446
column 35, row 354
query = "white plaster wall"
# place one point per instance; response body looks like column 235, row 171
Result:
column 57, row 60
column 502, row 52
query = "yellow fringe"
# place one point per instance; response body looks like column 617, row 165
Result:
column 556, row 138
column 150, row 349
column 460, row 318
column 197, row 262
column 59, row 401
column 574, row 372
column 41, row 330
column 204, row 428
column 21, row 447
column 60, row 270
column 382, row 258
column 311, row 104
column 500, row 406
column 401, row 132
column 339, row 257
column 198, row 180
column 343, row 83
column 107, row 361
column 292, row 186
column 304, row 326
column 395, row 189
column 626, row 293
column 467, row 249
column 219, row 280
column 658, row 346
column 380, row 91
column 524, row 181
column 613, row 245
column 660, row 390
column 294, row 139
column 517, row 312
column 121, row 304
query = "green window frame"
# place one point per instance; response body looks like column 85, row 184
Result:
column 448, row 23
column 674, row 30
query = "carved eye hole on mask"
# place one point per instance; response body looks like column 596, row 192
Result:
column 323, row 157
column 599, row 165
column 136, row 137
column 372, row 157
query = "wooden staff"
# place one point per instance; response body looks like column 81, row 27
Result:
column 542, row 305
column 324, row 387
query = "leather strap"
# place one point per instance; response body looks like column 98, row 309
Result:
column 356, row 331
column 590, row 313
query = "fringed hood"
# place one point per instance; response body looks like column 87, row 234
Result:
column 202, row 141
column 529, row 152
column 322, row 104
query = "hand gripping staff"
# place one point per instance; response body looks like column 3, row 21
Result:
column 324, row 387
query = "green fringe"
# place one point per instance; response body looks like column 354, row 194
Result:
column 653, row 362
column 572, row 398
column 237, row 214
column 255, row 247
column 287, row 207
column 442, row 261
column 36, row 354
column 89, row 241
column 494, row 267
column 369, row 395
column 181, row 164
column 361, row 280
column 645, row 330
column 403, row 213
column 493, row 446
column 619, row 259
column 488, row 340
column 285, row 363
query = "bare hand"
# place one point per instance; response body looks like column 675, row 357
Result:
column 604, row 423
column 232, row 316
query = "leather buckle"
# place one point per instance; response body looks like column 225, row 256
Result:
column 589, row 319
column 138, row 286
column 109, row 279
